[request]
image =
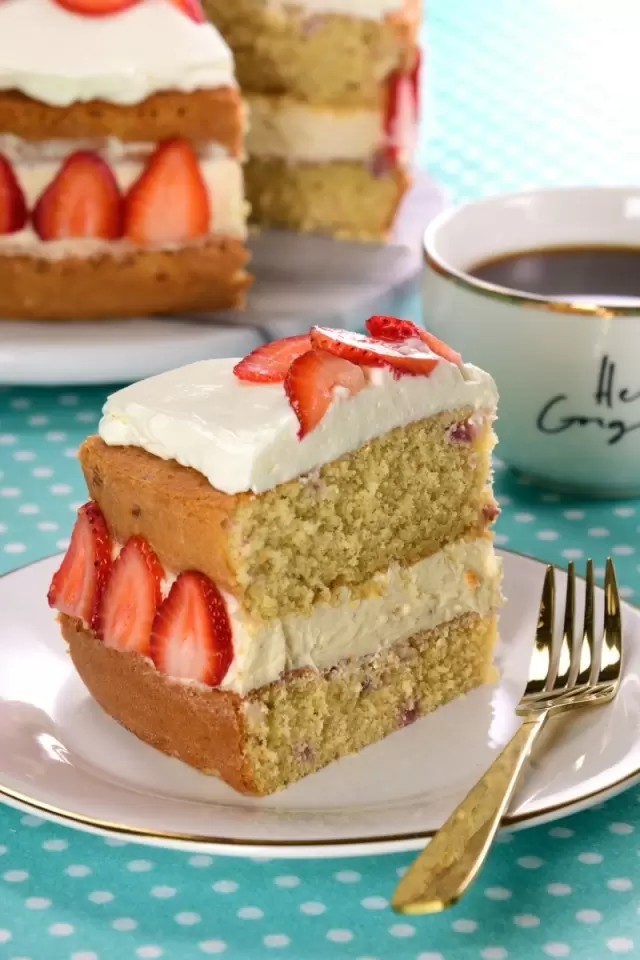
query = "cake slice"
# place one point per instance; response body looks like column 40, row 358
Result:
column 287, row 557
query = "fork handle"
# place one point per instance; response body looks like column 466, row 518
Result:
column 450, row 862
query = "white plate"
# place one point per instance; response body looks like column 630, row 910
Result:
column 62, row 758
column 300, row 280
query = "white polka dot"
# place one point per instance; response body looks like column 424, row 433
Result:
column 60, row 489
column 225, row 886
column 84, row 955
column 572, row 553
column 276, row 940
column 30, row 821
column 620, row 884
column 47, row 526
column 38, row 421
column 20, row 403
column 501, row 539
column 3, row 849
column 14, row 548
column 163, row 893
column 494, row 953
column 498, row 893
column 100, row 896
column 287, row 881
column 260, row 859
column 3, row 528
column 149, row 952
column 15, row 876
column 115, row 842
column 61, row 929
column 250, row 913
column 626, row 591
column 139, row 866
column 374, row 903
column 347, row 876
column 401, row 871
column 312, row 908
column 37, row 903
column 212, row 946
column 42, row 472
column 547, row 535
column 340, row 936
column 55, row 436
column 524, row 517
column 6, row 439
column 200, row 861
column 430, row 956
column 504, row 501
column 55, row 846
column 622, row 829
column 556, row 949
column 10, row 492
column 623, row 550
column 78, row 870
column 402, row 930
column 71, row 452
column 620, row 944
column 29, row 508
column 124, row 924
column 498, row 463
column 62, row 544
column 561, row 833
column 526, row 920
column 598, row 532
column 464, row 926
column 68, row 399
column 589, row 916
column 590, row 858
column 86, row 416
column 530, row 863
column 559, row 889
column 24, row 456
column 187, row 918
column 5, row 935
column 573, row 514
column 624, row 511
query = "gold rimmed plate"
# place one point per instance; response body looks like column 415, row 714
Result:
column 64, row 759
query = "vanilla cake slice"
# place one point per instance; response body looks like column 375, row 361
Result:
column 288, row 557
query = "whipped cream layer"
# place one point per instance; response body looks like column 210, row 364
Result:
column 243, row 436
column 286, row 129
column 60, row 58
column 464, row 577
column 358, row 9
column 37, row 165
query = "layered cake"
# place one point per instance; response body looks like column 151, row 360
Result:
column 288, row 557
column 332, row 88
column 121, row 145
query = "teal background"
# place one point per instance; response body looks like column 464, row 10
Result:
column 519, row 94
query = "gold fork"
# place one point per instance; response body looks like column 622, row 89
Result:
column 579, row 671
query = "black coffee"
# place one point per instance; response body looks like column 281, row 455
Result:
column 603, row 275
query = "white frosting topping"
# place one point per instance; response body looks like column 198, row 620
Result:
column 60, row 58
column 301, row 133
column 464, row 577
column 360, row 9
column 243, row 436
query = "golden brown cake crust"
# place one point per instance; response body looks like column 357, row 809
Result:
column 210, row 276
column 214, row 116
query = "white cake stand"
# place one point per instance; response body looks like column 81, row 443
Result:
column 300, row 280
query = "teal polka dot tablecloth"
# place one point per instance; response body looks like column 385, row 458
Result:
column 519, row 94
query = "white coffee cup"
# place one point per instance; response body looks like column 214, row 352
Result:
column 568, row 373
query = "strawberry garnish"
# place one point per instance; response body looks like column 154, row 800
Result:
column 77, row 586
column 407, row 357
column 191, row 634
column 191, row 8
column 402, row 110
column 393, row 330
column 311, row 384
column 169, row 202
column 96, row 8
column 270, row 363
column 13, row 206
column 82, row 201
column 130, row 598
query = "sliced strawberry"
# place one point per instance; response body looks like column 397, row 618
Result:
column 408, row 357
column 270, row 363
column 169, row 202
column 131, row 598
column 13, row 206
column 82, row 201
column 311, row 383
column 402, row 110
column 77, row 586
column 395, row 331
column 191, row 8
column 191, row 636
column 96, row 8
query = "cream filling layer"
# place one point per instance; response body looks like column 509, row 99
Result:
column 464, row 577
column 60, row 58
column 37, row 165
column 286, row 129
column 357, row 9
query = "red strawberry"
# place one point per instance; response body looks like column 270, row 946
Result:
column 405, row 357
column 395, row 331
column 402, row 110
column 191, row 635
column 82, row 201
column 311, row 382
column 13, row 206
column 191, row 8
column 270, row 363
column 131, row 598
column 169, row 202
column 96, row 8
column 77, row 586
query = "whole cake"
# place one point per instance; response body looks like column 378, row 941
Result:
column 332, row 88
column 288, row 557
column 121, row 145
